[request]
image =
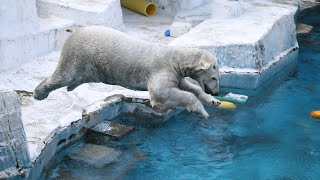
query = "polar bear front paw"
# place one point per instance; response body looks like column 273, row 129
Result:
column 212, row 101
column 216, row 102
column 198, row 108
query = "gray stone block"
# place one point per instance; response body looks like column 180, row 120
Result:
column 112, row 129
column 14, row 155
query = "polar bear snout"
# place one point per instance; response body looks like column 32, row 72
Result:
column 212, row 87
column 208, row 80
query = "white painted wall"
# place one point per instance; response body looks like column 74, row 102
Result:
column 172, row 7
column 226, row 8
column 17, row 17
column 23, row 35
column 94, row 12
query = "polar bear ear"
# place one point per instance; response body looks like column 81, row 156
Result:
column 203, row 65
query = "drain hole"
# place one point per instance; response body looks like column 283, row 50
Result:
column 61, row 142
column 82, row 130
column 71, row 136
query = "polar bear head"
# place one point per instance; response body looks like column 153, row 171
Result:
column 207, row 73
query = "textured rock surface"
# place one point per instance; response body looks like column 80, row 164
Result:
column 14, row 154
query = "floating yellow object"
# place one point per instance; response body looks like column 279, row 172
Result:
column 141, row 6
column 315, row 114
column 227, row 105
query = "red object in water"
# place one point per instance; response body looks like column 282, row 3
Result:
column 315, row 114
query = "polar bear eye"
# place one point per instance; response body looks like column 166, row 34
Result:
column 214, row 78
column 214, row 67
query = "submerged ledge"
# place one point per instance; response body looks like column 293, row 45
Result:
column 103, row 110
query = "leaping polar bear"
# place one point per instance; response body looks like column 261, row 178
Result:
column 101, row 54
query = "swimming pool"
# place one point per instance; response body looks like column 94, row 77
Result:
column 269, row 137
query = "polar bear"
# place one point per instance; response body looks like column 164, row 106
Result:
column 101, row 54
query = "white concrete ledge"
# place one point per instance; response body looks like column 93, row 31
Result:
column 249, row 43
column 84, row 12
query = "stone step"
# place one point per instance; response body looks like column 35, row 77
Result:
column 84, row 12
column 248, row 45
column 112, row 129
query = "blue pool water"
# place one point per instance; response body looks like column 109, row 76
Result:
column 269, row 137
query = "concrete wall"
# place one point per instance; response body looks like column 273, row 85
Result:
column 17, row 17
column 24, row 36
column 33, row 28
